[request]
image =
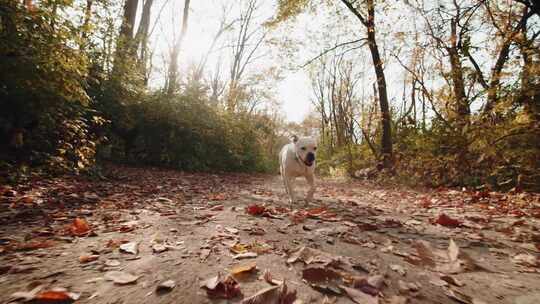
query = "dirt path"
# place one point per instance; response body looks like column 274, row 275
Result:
column 374, row 244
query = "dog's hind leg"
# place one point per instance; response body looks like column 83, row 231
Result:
column 286, row 182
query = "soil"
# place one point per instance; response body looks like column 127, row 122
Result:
column 65, row 233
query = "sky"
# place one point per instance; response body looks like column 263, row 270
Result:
column 293, row 91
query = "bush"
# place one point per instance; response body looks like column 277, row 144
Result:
column 46, row 116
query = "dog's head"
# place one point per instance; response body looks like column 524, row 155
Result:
column 305, row 148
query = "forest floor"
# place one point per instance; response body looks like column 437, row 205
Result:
column 156, row 236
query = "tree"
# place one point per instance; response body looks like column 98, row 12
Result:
column 247, row 40
column 172, row 80
column 368, row 21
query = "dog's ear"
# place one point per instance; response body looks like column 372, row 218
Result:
column 294, row 138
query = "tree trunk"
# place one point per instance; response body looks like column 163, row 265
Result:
column 386, row 139
column 125, row 47
column 86, row 22
column 456, row 71
column 142, row 39
column 173, row 65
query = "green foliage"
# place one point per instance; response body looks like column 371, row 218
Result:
column 185, row 132
column 46, row 118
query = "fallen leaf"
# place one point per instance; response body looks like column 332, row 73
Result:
column 242, row 269
column 364, row 285
column 425, row 252
column 452, row 280
column 166, row 286
column 405, row 287
column 88, row 258
column 445, row 220
column 323, row 279
column 309, row 255
column 272, row 295
column 32, row 245
column 205, row 253
column 56, row 296
column 256, row 210
column 526, row 259
column 158, row 248
column 120, row 277
column 398, row 268
column 112, row 263
column 231, row 230
column 245, row 255
column 360, row 297
column 217, row 208
column 219, row 287
column 131, row 247
column 269, row 278
column 79, row 227
column 462, row 297
column 239, row 248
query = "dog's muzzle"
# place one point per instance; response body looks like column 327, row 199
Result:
column 310, row 159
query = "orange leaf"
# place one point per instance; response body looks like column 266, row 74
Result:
column 79, row 227
column 55, row 296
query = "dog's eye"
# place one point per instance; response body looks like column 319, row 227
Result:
column 303, row 148
column 315, row 149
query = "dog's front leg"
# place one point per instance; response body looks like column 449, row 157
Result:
column 311, row 182
column 289, row 185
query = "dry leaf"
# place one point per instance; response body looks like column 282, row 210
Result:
column 88, row 258
column 272, row 295
column 360, row 297
column 79, row 227
column 324, row 279
column 269, row 278
column 131, row 247
column 245, row 255
column 166, row 286
column 219, row 287
column 120, row 277
column 255, row 210
column 399, row 269
column 241, row 269
column 445, row 220
column 158, row 248
column 56, row 296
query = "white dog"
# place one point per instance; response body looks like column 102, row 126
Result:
column 298, row 159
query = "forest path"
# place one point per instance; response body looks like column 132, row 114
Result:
column 387, row 244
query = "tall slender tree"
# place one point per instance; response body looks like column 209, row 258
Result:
column 172, row 80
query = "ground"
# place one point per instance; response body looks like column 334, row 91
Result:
column 358, row 241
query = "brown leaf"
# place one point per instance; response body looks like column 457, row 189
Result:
column 120, row 277
column 364, row 284
column 269, row 278
column 425, row 252
column 219, row 287
column 256, row 210
column 272, row 295
column 245, row 255
column 360, row 297
column 445, row 220
column 242, row 269
column 309, row 255
column 88, row 258
column 166, row 286
column 324, row 279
